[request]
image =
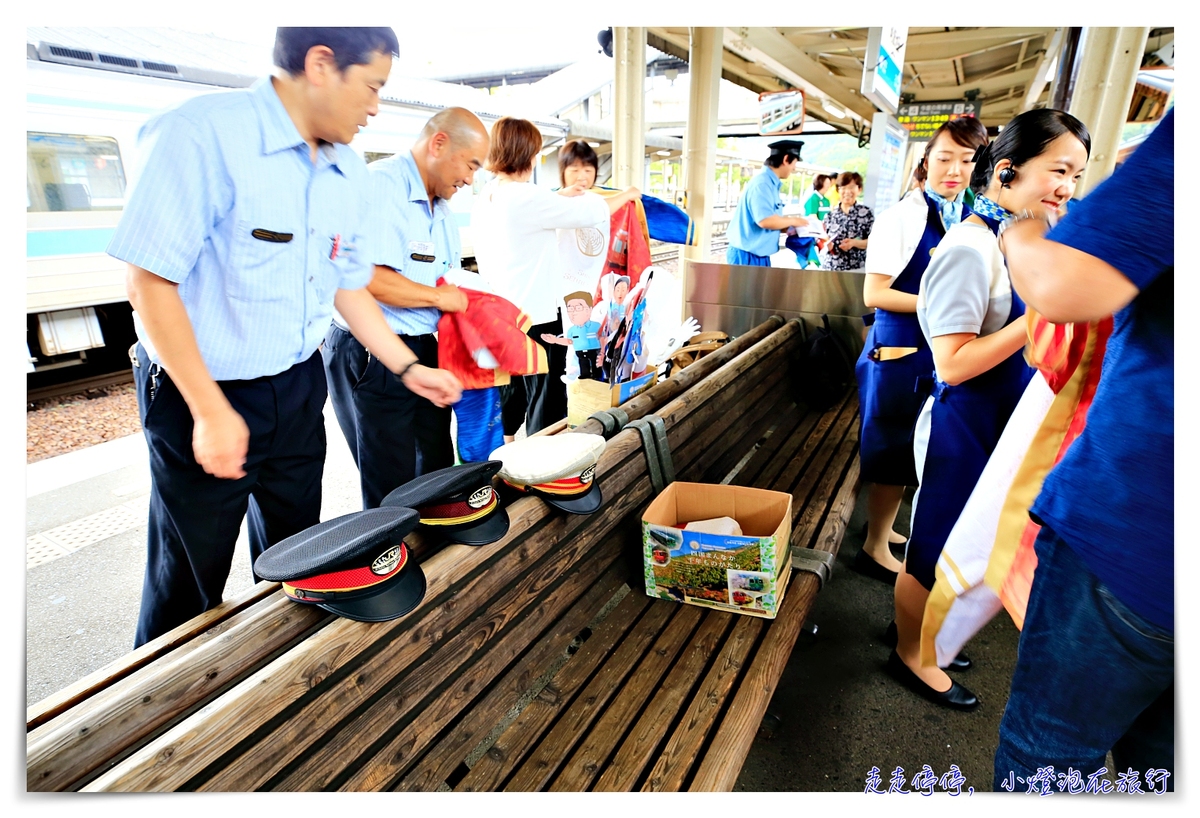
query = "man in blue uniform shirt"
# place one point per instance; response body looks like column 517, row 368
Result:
column 754, row 230
column 396, row 434
column 1096, row 661
column 245, row 227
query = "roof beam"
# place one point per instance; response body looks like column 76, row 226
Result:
column 1041, row 74
column 986, row 87
column 772, row 50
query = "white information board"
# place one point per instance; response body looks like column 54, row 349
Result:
column 884, row 185
column 883, row 68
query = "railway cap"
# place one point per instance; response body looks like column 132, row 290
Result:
column 561, row 469
column 458, row 502
column 356, row 565
column 786, row 146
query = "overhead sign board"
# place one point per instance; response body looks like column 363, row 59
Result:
column 780, row 112
column 883, row 69
column 921, row 119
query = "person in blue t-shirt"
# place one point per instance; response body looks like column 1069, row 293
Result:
column 753, row 231
column 1096, row 662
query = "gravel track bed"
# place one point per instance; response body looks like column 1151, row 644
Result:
column 67, row 423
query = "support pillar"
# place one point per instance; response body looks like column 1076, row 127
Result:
column 700, row 142
column 1109, row 60
column 629, row 101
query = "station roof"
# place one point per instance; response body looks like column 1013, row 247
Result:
column 1007, row 70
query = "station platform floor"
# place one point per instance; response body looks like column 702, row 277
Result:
column 839, row 714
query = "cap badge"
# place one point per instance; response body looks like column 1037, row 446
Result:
column 388, row 561
column 480, row 498
column 587, row 475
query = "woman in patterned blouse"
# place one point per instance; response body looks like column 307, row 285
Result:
column 848, row 226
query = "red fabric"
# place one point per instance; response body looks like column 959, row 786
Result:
column 493, row 323
column 628, row 245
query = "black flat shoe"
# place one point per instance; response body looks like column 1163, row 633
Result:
column 959, row 662
column 866, row 566
column 956, row 698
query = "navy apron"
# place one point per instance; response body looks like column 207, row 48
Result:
column 888, row 398
column 965, row 426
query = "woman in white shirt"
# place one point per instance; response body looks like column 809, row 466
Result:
column 513, row 223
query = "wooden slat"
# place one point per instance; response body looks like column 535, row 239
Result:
column 71, row 747
column 440, row 761
column 638, row 748
column 731, row 743
column 750, row 430
column 616, row 637
column 681, row 753
column 585, row 763
column 771, row 456
column 490, row 640
column 544, row 761
column 202, row 629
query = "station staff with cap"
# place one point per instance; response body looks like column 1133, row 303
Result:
column 754, row 230
column 245, row 228
column 394, row 432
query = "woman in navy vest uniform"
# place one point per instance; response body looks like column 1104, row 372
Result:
column 973, row 322
column 895, row 354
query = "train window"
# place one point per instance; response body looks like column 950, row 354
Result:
column 69, row 172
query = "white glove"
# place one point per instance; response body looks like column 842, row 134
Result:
column 663, row 348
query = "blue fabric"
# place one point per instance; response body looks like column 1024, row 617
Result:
column 1092, row 676
column 989, row 211
column 950, row 210
column 666, row 222
column 212, row 171
column 401, row 221
column 888, row 396
column 759, row 200
column 584, row 337
column 480, row 430
column 733, row 255
column 802, row 246
column 1112, row 495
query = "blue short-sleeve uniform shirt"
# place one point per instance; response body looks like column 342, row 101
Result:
column 1112, row 495
column 229, row 205
column 759, row 200
column 415, row 241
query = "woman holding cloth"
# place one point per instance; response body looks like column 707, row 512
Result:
column 895, row 353
column 514, row 223
column 972, row 321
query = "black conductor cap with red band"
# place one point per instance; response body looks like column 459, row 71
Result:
column 457, row 502
column 356, row 566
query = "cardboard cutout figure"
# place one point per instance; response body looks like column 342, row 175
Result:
column 584, row 334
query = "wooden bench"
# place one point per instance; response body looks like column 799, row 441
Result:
column 534, row 663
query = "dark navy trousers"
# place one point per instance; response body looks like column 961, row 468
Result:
column 393, row 434
column 195, row 517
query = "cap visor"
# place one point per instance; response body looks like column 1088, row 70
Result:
column 493, row 527
column 397, row 599
column 580, row 504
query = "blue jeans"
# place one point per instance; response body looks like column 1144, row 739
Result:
column 1091, row 676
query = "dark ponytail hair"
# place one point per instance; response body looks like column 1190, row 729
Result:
column 1024, row 138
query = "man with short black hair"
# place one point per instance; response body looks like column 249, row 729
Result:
column 246, row 226
column 394, row 433
column 753, row 231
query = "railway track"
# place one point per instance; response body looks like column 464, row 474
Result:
column 82, row 385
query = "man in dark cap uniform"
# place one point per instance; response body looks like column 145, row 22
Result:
column 754, row 230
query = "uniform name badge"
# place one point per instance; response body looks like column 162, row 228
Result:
column 423, row 251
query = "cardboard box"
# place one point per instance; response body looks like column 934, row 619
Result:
column 586, row 397
column 746, row 575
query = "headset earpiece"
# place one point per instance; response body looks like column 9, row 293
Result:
column 1006, row 176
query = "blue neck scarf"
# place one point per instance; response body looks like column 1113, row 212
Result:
column 990, row 212
column 951, row 209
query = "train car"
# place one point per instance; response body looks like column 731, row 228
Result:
column 84, row 109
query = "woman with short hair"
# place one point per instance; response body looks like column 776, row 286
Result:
column 848, row 226
column 513, row 225
column 817, row 205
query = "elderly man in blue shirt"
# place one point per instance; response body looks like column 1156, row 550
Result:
column 246, row 226
column 754, row 230
column 396, row 434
